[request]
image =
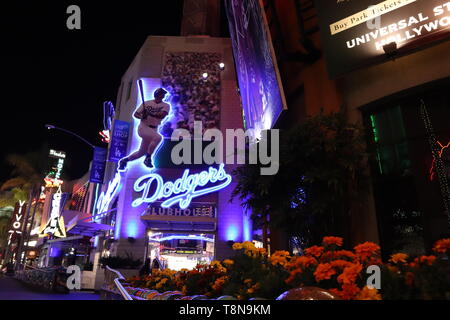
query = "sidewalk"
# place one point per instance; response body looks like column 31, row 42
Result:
column 12, row 289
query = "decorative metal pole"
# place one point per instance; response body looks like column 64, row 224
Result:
column 439, row 164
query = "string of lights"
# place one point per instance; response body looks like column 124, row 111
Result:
column 436, row 149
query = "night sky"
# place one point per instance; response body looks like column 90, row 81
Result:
column 61, row 77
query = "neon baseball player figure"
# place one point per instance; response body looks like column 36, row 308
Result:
column 151, row 114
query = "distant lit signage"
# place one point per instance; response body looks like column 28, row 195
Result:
column 17, row 222
column 55, row 225
column 119, row 140
column 57, row 154
column 53, row 178
column 182, row 190
column 98, row 165
column 105, row 135
column 355, row 32
column 106, row 197
column 108, row 116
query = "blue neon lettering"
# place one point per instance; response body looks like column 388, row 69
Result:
column 106, row 197
column 184, row 188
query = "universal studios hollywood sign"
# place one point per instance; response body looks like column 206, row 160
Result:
column 355, row 32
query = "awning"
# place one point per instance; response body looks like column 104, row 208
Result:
column 89, row 229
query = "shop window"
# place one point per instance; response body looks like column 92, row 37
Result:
column 389, row 138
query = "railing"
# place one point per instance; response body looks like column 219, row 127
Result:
column 112, row 285
column 43, row 278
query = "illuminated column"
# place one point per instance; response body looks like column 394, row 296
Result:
column 232, row 224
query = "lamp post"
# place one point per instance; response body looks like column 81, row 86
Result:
column 52, row 127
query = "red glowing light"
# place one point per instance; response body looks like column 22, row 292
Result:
column 432, row 169
column 105, row 134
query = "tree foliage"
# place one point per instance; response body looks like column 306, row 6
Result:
column 26, row 173
column 322, row 173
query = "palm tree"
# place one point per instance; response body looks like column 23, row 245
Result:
column 25, row 174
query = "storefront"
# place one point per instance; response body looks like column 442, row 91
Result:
column 391, row 64
column 408, row 190
column 178, row 214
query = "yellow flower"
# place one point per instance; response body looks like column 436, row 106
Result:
column 248, row 245
column 237, row 246
column 368, row 294
column 262, row 251
column 228, row 262
column 399, row 257
column 219, row 282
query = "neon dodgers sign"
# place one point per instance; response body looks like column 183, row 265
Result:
column 183, row 190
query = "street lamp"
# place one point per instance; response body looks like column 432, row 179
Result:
column 52, row 127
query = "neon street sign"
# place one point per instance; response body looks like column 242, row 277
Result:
column 17, row 222
column 183, row 190
column 57, row 154
column 106, row 197
column 55, row 225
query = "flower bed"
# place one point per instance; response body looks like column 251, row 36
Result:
column 341, row 274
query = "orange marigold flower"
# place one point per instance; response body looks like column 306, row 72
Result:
column 350, row 274
column 414, row 263
column 340, row 264
column 324, row 271
column 315, row 251
column 262, row 251
column 350, row 291
column 429, row 260
column 345, row 254
column 281, row 253
column 399, row 257
column 442, row 246
column 367, row 250
column 292, row 275
column 368, row 294
column 301, row 262
column 333, row 240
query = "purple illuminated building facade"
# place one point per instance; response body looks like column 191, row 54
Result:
column 198, row 91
